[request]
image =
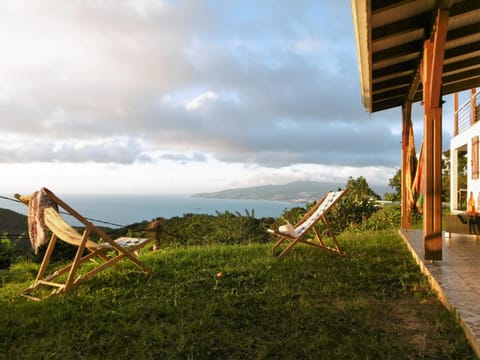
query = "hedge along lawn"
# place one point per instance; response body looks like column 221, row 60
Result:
column 239, row 302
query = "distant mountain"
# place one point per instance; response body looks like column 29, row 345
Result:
column 12, row 222
column 15, row 225
column 298, row 191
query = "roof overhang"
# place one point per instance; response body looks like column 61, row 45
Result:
column 390, row 35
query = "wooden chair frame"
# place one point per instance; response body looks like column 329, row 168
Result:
column 109, row 252
column 312, row 218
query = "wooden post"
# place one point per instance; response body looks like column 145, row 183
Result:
column 433, row 56
column 454, row 205
column 407, row 123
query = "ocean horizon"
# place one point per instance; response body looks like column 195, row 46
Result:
column 121, row 210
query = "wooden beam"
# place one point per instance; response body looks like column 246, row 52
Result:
column 467, row 74
column 394, row 52
column 453, row 66
column 409, row 24
column 461, row 7
column 464, row 31
column 438, row 53
column 415, row 81
column 361, row 12
column 461, row 86
column 398, row 68
column 406, row 128
column 382, row 5
column 431, row 71
column 419, row 21
column 398, row 93
column 388, row 103
column 391, row 83
column 461, row 50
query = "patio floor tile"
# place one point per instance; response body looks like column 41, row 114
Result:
column 456, row 278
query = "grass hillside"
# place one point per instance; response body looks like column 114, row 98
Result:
column 240, row 302
column 12, row 222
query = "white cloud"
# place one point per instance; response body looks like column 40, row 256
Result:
column 245, row 91
column 307, row 46
column 200, row 100
column 117, row 149
column 170, row 177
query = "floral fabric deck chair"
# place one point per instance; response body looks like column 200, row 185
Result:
column 297, row 233
column 43, row 217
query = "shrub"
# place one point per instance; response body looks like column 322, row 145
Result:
column 6, row 251
column 386, row 218
column 352, row 210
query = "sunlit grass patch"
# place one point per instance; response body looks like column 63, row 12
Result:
column 240, row 302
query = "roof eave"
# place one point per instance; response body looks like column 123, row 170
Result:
column 361, row 26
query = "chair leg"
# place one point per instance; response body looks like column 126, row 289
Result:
column 42, row 270
column 46, row 258
column 77, row 260
column 332, row 234
column 318, row 236
column 282, row 239
column 288, row 248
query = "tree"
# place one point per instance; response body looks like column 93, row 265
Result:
column 360, row 188
column 396, row 184
column 355, row 207
column 396, row 181
column 461, row 174
column 446, row 176
column 6, row 251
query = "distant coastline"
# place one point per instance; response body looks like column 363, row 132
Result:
column 294, row 192
column 126, row 209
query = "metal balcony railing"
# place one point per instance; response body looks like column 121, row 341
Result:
column 466, row 116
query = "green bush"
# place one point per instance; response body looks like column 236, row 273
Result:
column 358, row 209
column 7, row 251
column 387, row 218
column 352, row 211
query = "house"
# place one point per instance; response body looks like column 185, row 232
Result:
column 465, row 144
column 418, row 51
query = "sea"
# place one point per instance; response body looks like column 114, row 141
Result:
column 121, row 210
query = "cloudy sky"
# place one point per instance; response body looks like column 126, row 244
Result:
column 172, row 96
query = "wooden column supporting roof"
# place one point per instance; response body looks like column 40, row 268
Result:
column 411, row 51
column 407, row 175
column 431, row 74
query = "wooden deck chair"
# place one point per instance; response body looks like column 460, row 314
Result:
column 297, row 233
column 103, row 254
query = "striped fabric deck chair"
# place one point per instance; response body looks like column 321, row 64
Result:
column 296, row 233
column 46, row 219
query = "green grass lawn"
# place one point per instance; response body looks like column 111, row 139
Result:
column 239, row 302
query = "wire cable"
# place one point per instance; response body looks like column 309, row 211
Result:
column 66, row 213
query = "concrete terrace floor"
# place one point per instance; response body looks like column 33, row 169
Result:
column 456, row 278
